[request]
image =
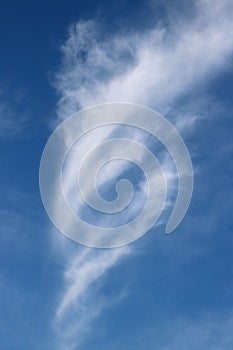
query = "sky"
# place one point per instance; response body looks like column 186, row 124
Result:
column 163, row 292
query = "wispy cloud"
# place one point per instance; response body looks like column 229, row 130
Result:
column 156, row 68
column 152, row 68
column 82, row 300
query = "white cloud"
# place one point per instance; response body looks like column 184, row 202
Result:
column 81, row 301
column 153, row 68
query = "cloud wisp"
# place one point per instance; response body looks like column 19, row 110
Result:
column 154, row 68
column 82, row 300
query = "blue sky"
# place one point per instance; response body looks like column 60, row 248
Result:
column 164, row 292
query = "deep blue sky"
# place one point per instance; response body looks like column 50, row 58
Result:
column 164, row 292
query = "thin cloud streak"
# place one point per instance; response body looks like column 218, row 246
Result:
column 84, row 270
column 80, row 304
